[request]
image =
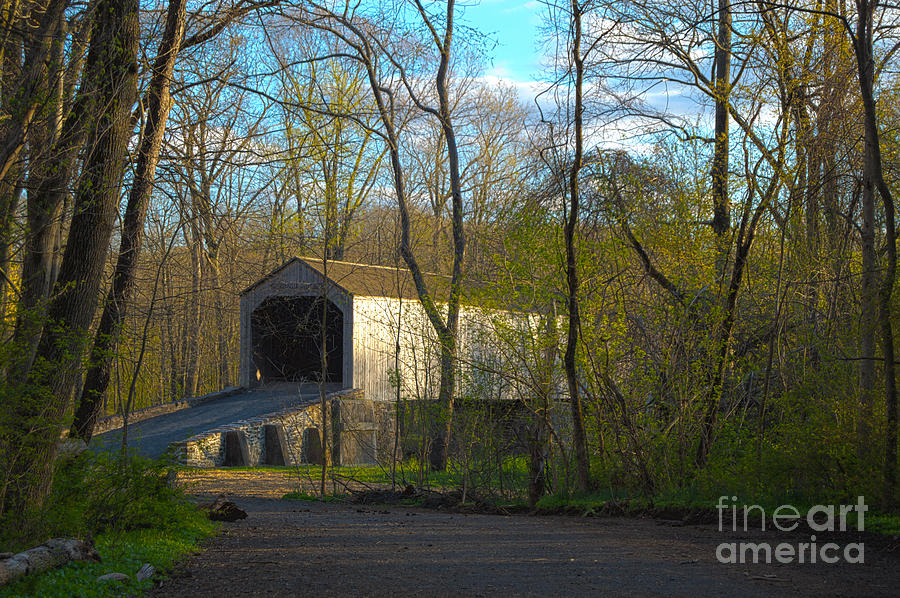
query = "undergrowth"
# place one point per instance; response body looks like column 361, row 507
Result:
column 127, row 506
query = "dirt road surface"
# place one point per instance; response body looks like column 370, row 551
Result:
column 298, row 548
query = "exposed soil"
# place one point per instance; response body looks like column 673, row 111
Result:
column 294, row 548
column 249, row 483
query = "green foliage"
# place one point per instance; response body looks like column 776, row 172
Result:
column 123, row 552
column 130, row 510
column 99, row 492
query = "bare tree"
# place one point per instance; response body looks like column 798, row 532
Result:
column 375, row 53
column 333, row 162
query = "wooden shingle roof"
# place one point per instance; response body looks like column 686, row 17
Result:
column 366, row 280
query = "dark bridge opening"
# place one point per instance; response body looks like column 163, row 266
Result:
column 287, row 339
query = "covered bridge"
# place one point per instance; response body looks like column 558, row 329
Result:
column 370, row 313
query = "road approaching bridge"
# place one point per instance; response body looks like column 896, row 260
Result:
column 151, row 437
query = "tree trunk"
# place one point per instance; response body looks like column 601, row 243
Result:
column 111, row 77
column 744, row 243
column 448, row 335
column 51, row 169
column 873, row 180
column 171, row 330
column 10, row 194
column 11, row 185
column 445, row 329
column 158, row 106
column 54, row 553
column 323, row 376
column 539, row 441
column 222, row 335
column 868, row 317
column 25, row 98
column 582, row 461
column 190, row 344
column 721, row 222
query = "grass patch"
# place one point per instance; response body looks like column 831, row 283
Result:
column 127, row 504
column 688, row 500
column 587, row 502
column 512, row 475
column 888, row 525
column 311, row 497
column 122, row 552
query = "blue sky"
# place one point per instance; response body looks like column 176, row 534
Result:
column 516, row 60
column 514, row 25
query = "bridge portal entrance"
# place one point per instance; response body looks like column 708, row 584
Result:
column 288, row 342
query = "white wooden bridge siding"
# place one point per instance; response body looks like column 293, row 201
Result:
column 376, row 320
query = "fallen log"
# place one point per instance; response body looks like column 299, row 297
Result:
column 51, row 554
column 223, row 510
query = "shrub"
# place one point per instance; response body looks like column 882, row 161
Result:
column 95, row 493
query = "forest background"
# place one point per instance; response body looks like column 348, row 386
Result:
column 697, row 199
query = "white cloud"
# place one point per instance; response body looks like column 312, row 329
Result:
column 527, row 90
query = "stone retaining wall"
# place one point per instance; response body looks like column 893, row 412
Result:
column 361, row 431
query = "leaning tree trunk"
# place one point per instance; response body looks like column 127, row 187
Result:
column 445, row 329
column 37, row 415
column 55, row 148
column 158, row 105
column 24, row 99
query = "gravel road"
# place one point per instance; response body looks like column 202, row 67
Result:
column 293, row 548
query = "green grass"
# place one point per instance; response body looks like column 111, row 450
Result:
column 586, row 502
column 127, row 505
column 122, row 552
column 888, row 525
column 689, row 499
column 515, row 471
column 310, row 497
column 407, row 473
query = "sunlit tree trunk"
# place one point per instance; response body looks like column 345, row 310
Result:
column 111, row 77
column 105, row 339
